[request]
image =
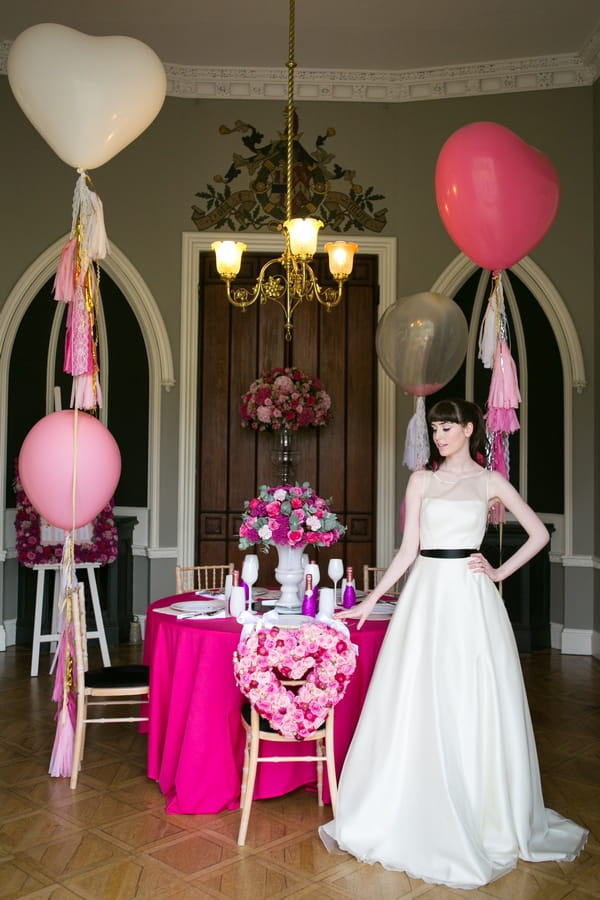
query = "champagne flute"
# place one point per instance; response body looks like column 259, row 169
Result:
column 250, row 574
column 335, row 570
column 312, row 569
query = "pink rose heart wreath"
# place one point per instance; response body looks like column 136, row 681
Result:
column 270, row 654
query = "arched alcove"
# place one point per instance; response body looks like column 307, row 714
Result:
column 567, row 342
column 158, row 351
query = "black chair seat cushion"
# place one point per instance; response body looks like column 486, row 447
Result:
column 118, row 677
column 264, row 724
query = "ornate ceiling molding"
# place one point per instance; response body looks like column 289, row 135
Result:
column 504, row 77
column 477, row 79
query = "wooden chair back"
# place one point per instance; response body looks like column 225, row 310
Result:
column 111, row 685
column 201, row 578
column 371, row 577
column 257, row 730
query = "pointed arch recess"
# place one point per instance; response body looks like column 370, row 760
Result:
column 158, row 349
column 569, row 346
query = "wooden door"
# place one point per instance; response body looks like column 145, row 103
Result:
column 338, row 460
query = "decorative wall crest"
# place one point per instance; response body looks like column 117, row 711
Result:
column 262, row 204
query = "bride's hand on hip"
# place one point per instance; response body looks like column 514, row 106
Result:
column 479, row 564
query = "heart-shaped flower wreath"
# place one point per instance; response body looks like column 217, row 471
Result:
column 270, row 654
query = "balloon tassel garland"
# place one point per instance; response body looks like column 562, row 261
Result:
column 61, row 760
column 77, row 283
column 504, row 396
column 64, row 693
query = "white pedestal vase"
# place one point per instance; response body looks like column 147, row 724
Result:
column 290, row 575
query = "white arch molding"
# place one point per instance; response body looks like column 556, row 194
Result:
column 551, row 302
column 193, row 243
column 158, row 350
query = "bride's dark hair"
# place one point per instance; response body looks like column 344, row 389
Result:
column 462, row 412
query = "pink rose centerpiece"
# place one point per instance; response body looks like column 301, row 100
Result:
column 289, row 517
column 285, row 398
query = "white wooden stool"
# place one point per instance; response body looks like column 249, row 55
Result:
column 54, row 635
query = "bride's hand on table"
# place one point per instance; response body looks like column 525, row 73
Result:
column 360, row 611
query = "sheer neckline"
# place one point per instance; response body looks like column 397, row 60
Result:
column 454, row 480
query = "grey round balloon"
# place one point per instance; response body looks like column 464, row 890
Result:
column 421, row 342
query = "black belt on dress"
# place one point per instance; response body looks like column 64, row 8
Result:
column 451, row 553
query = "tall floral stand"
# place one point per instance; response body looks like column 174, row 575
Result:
column 290, row 575
column 284, row 455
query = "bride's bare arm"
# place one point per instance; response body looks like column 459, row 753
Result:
column 404, row 557
column 538, row 536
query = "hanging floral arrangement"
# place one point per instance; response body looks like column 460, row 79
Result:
column 285, row 398
column 319, row 653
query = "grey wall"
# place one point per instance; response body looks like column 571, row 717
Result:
column 148, row 191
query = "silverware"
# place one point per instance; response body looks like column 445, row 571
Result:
column 199, row 615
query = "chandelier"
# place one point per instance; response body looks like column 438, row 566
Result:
column 298, row 281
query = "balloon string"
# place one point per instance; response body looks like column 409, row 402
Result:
column 70, row 568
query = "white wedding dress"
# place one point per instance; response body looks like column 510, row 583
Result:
column 442, row 780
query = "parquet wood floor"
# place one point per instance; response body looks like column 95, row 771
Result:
column 111, row 839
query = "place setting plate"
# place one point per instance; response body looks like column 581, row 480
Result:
column 209, row 605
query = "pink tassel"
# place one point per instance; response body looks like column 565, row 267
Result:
column 497, row 514
column 504, row 386
column 505, row 420
column 86, row 392
column 61, row 667
column 61, row 760
column 64, row 280
column 499, row 461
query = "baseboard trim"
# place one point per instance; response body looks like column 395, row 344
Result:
column 577, row 641
column 596, row 644
column 8, row 634
column 556, row 630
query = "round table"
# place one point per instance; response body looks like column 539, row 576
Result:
column 195, row 736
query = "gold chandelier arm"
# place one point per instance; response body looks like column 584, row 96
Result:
column 328, row 297
column 266, row 288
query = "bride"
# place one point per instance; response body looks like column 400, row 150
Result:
column 441, row 780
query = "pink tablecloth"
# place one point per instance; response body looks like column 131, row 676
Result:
column 195, row 736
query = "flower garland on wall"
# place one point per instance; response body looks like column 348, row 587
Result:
column 267, row 655
column 285, row 398
column 289, row 514
column 32, row 550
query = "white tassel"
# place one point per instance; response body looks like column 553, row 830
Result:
column 487, row 334
column 89, row 212
column 493, row 326
column 416, row 448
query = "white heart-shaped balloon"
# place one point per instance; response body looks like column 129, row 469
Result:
column 87, row 96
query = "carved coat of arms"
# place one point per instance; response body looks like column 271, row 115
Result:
column 322, row 189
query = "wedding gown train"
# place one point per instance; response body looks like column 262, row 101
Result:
column 441, row 780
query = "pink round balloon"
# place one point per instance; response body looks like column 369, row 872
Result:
column 497, row 196
column 46, row 468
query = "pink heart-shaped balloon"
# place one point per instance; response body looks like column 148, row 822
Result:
column 497, row 196
column 87, row 96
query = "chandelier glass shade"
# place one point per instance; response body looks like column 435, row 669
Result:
column 295, row 280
